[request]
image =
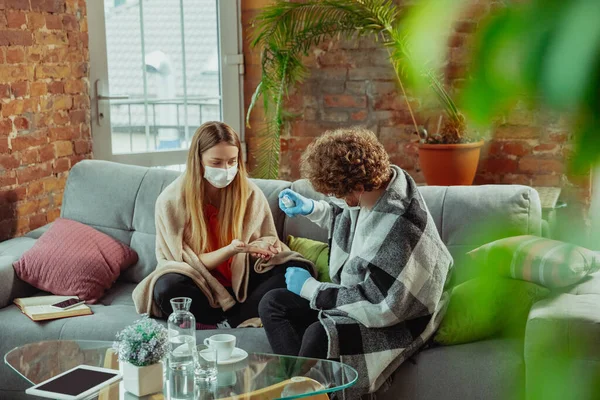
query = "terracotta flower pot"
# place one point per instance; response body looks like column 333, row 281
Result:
column 449, row 164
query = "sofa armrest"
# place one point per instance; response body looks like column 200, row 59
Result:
column 36, row 233
column 10, row 284
column 562, row 348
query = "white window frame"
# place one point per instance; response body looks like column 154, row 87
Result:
column 231, row 79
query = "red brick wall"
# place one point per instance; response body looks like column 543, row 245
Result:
column 352, row 83
column 251, row 8
column 45, row 107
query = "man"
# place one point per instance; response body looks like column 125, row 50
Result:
column 387, row 263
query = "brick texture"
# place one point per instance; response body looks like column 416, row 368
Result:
column 352, row 83
column 44, row 122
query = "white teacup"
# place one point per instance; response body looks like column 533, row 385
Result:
column 223, row 343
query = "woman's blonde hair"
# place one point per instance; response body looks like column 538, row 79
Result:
column 233, row 202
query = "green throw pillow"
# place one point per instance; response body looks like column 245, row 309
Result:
column 547, row 262
column 487, row 306
column 317, row 252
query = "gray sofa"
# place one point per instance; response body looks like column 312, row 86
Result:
column 119, row 200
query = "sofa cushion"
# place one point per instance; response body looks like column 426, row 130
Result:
column 547, row 262
column 145, row 245
column 483, row 307
column 102, row 194
column 122, row 208
column 314, row 251
column 143, row 236
column 475, row 215
column 470, row 216
column 74, row 259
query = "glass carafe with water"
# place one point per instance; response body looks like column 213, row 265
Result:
column 182, row 343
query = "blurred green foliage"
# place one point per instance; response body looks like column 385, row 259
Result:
column 544, row 53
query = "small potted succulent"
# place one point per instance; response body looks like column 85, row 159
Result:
column 140, row 347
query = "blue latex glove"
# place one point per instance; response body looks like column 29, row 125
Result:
column 302, row 205
column 295, row 278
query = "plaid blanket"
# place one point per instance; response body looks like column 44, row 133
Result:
column 388, row 269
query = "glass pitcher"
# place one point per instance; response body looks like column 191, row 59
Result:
column 182, row 344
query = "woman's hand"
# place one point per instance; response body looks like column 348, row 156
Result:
column 265, row 247
column 237, row 246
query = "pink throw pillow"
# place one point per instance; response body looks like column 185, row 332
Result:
column 74, row 259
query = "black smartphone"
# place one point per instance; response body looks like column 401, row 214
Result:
column 69, row 303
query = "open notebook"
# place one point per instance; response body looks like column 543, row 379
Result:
column 40, row 308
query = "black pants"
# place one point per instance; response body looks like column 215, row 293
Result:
column 173, row 285
column 292, row 327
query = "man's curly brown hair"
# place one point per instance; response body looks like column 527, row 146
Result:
column 343, row 160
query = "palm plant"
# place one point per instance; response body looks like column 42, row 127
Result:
column 286, row 31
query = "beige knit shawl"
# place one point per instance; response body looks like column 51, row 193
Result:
column 174, row 255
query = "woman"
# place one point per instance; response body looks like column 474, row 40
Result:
column 215, row 238
column 387, row 263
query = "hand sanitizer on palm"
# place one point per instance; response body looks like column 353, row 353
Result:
column 289, row 203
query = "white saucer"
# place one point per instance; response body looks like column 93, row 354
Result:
column 236, row 356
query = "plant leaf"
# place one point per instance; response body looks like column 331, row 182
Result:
column 573, row 56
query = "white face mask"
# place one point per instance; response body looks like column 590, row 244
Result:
column 343, row 204
column 220, row 177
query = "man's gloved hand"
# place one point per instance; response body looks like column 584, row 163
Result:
column 295, row 278
column 301, row 206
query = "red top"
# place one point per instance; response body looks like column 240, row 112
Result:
column 223, row 271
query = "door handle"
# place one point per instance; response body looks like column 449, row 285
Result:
column 99, row 97
column 117, row 97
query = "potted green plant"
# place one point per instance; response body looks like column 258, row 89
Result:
column 140, row 347
column 448, row 153
column 286, row 31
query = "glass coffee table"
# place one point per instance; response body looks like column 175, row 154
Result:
column 259, row 376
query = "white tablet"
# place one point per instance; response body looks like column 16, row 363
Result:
column 76, row 383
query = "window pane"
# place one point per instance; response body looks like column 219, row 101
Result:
column 164, row 55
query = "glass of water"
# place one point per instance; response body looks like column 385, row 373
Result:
column 205, row 363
